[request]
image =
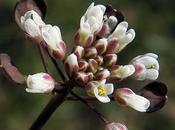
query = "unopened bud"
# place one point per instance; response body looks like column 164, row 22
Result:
column 93, row 65
column 71, row 64
column 83, row 78
column 79, row 51
column 121, row 72
column 123, row 36
column 23, row 6
column 103, row 74
column 126, row 97
column 91, row 52
column 110, row 60
column 112, row 46
column 99, row 60
column 40, row 83
column 52, row 37
column 115, row 126
column 83, row 65
column 101, row 45
column 83, row 39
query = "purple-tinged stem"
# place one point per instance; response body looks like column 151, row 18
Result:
column 53, row 104
column 49, row 109
column 71, row 98
column 42, row 55
column 57, row 67
column 102, row 118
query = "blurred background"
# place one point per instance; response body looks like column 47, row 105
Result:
column 154, row 23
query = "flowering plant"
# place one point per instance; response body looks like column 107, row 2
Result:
column 92, row 65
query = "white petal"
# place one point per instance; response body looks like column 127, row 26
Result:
column 120, row 30
column 138, row 103
column 47, row 38
column 152, row 74
column 149, row 61
column 33, row 90
column 103, row 8
column 140, row 74
column 37, row 19
column 103, row 81
column 128, row 70
column 109, row 88
column 152, row 55
column 104, row 99
column 31, row 28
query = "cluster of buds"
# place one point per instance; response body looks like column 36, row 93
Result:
column 103, row 33
column 29, row 20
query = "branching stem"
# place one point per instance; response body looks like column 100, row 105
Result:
column 87, row 98
column 102, row 118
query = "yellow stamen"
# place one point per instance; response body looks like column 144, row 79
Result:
column 101, row 90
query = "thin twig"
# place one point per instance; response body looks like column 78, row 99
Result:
column 42, row 55
column 57, row 67
column 71, row 98
column 102, row 118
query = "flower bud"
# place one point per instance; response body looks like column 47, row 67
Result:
column 99, row 60
column 40, row 83
column 101, row 45
column 123, row 36
column 112, row 46
column 83, row 39
column 83, row 78
column 126, row 97
column 91, row 52
column 79, row 51
column 121, row 72
column 71, row 64
column 102, row 74
column 93, row 65
column 108, row 26
column 23, row 6
column 31, row 23
column 115, row 126
column 90, row 23
column 146, row 66
column 83, row 65
column 110, row 60
column 56, row 46
column 100, row 90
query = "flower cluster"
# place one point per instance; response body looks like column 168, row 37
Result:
column 93, row 63
column 102, row 35
column 36, row 29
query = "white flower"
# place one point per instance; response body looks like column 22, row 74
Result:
column 122, row 36
column 147, row 67
column 52, row 36
column 71, row 64
column 100, row 90
column 127, row 97
column 91, row 22
column 31, row 23
column 115, row 126
column 40, row 83
column 121, row 72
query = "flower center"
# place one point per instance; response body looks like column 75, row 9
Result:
column 101, row 90
column 152, row 67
